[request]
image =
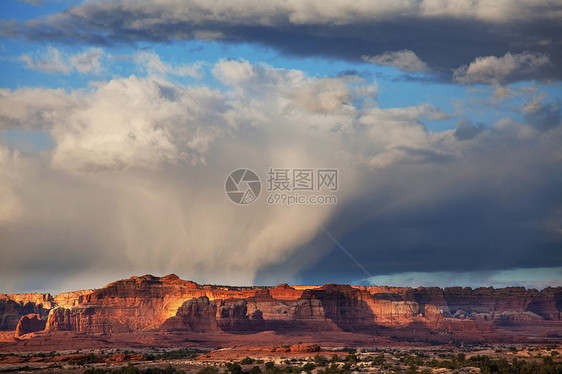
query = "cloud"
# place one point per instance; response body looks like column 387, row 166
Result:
column 509, row 68
column 154, row 65
column 33, row 109
column 386, row 137
column 448, row 208
column 542, row 114
column 54, row 61
column 135, row 180
column 404, row 60
column 134, row 184
column 466, row 130
column 538, row 278
column 51, row 61
column 87, row 62
column 141, row 126
column 339, row 29
column 325, row 95
column 125, row 123
column 253, row 78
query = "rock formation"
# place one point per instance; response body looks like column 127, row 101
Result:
column 30, row 323
column 148, row 303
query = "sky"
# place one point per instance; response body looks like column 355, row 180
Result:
column 121, row 121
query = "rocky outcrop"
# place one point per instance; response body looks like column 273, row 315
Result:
column 194, row 315
column 168, row 303
column 30, row 323
column 458, row 301
column 92, row 319
column 14, row 306
column 70, row 299
column 515, row 318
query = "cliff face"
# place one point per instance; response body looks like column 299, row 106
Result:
column 30, row 323
column 457, row 301
column 169, row 303
column 14, row 306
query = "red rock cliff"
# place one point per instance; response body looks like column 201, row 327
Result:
column 169, row 303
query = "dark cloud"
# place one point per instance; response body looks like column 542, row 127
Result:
column 466, row 130
column 544, row 116
column 353, row 72
column 495, row 207
column 444, row 39
column 404, row 60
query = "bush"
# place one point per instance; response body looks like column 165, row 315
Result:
column 379, row 360
column 291, row 370
column 247, row 361
column 412, row 370
column 308, row 367
column 130, row 370
column 233, row 368
column 208, row 370
column 320, row 360
column 255, row 370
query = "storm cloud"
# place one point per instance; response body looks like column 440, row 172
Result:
column 470, row 36
column 135, row 181
column 456, row 170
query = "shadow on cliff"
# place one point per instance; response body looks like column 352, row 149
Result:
column 331, row 308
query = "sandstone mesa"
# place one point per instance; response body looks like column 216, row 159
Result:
column 169, row 304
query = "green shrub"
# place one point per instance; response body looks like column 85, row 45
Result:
column 247, row 361
column 208, row 370
column 233, row 368
column 308, row 367
column 255, row 370
column 379, row 360
column 320, row 360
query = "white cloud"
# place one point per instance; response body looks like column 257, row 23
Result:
column 33, row 109
column 52, row 60
column 131, row 122
column 404, row 60
column 322, row 95
column 87, row 62
column 154, row 65
column 385, row 137
column 135, row 181
column 138, row 170
column 497, row 70
column 256, row 78
column 124, row 123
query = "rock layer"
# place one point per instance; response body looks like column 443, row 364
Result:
column 170, row 304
